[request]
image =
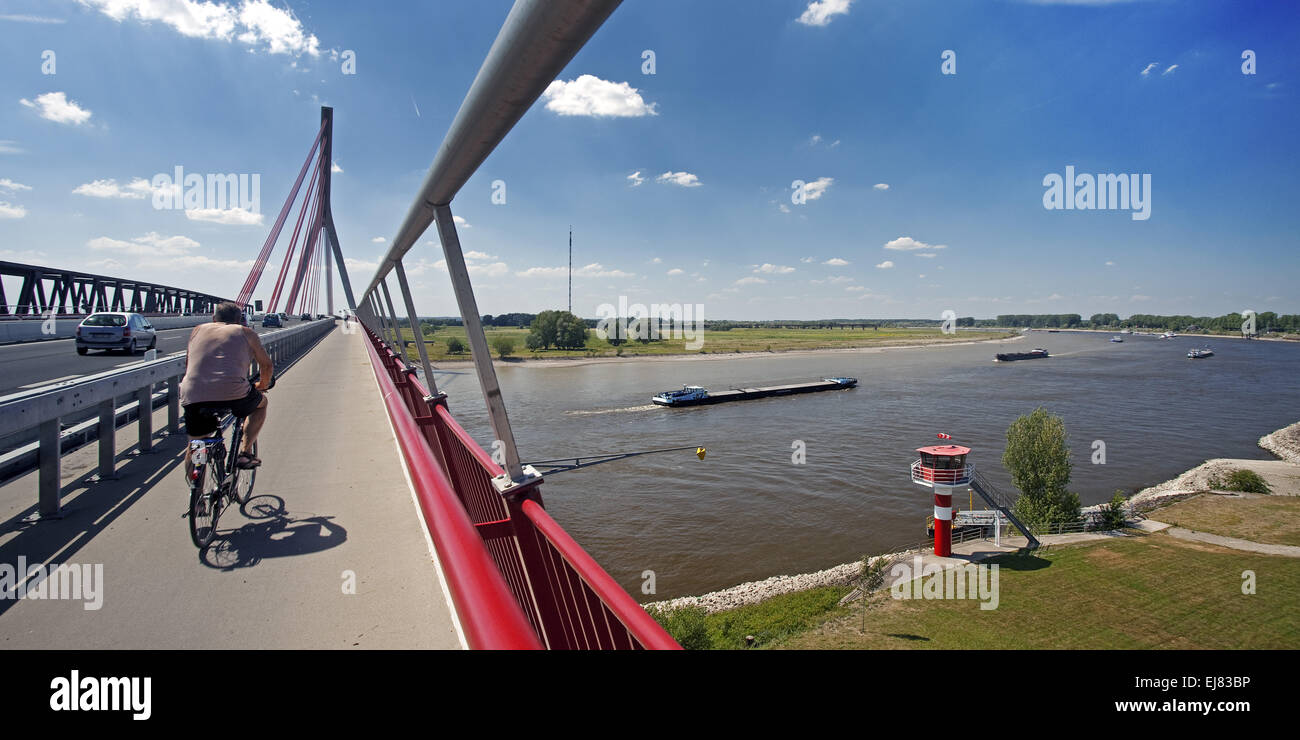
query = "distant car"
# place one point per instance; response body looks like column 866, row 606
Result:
column 109, row 330
column 306, row 317
column 272, row 319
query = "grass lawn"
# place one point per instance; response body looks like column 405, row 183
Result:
column 1142, row 592
column 734, row 340
column 1273, row 520
column 1139, row 593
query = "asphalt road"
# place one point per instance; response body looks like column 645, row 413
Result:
column 32, row 364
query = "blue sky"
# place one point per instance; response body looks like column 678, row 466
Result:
column 747, row 97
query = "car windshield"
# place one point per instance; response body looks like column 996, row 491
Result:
column 105, row 319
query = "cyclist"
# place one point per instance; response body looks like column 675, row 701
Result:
column 216, row 378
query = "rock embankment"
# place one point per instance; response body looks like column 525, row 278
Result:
column 1285, row 443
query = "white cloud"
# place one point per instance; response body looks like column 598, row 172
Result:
column 881, row 186
column 836, row 262
column 378, row 240
column 1170, row 70
column 10, row 186
column 55, row 106
column 1055, row 297
column 137, row 189
column 473, row 255
column 921, row 276
column 783, row 208
column 335, row 168
column 657, row 260
column 591, row 96
column 750, row 281
column 255, row 23
column 820, row 12
column 8, row 146
column 476, row 269
column 1140, row 298
column 676, row 271
column 807, row 260
column 150, row 245
column 635, row 178
column 855, row 289
column 817, row 188
column 840, row 279
column 359, row 267
column 8, row 210
column 1146, row 72
column 907, row 244
column 594, row 270
column 771, row 269
column 927, row 255
column 30, row 19
column 1110, row 263
column 229, row 216
column 683, row 179
column 462, row 223
column 885, row 265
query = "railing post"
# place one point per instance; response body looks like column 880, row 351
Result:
column 400, row 343
column 51, row 471
column 415, row 329
column 107, row 439
column 487, row 375
column 174, row 404
column 144, row 405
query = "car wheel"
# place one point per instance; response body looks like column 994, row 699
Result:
column 82, row 350
column 132, row 350
column 153, row 343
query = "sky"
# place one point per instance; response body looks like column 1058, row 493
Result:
column 925, row 134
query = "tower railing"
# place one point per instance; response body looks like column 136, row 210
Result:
column 950, row 477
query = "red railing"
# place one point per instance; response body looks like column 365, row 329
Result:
column 559, row 596
column 953, row 477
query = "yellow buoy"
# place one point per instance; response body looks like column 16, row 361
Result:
column 699, row 452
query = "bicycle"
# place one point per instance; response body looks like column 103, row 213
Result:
column 215, row 481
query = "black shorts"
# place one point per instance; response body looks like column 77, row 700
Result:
column 202, row 419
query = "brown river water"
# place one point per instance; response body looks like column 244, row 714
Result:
column 748, row 512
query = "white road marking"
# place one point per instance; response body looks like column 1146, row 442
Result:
column 49, row 382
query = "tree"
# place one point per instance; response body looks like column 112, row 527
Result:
column 1039, row 462
column 455, row 346
column 504, row 346
column 559, row 328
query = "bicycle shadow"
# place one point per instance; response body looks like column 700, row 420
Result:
column 272, row 533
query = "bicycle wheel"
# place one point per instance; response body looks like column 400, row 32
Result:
column 244, row 481
column 204, row 506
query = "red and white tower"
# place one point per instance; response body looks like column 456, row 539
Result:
column 942, row 468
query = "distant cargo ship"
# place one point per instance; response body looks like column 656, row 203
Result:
column 694, row 395
column 1033, row 354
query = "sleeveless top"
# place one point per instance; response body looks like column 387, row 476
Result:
column 217, row 365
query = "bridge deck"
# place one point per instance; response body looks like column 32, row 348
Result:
column 271, row 582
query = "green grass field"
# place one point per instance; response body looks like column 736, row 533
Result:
column 1273, row 520
column 734, row 340
column 1143, row 592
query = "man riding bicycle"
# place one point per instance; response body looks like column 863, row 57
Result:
column 216, row 378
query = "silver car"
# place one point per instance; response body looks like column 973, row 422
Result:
column 115, row 330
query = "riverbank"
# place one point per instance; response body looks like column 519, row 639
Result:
column 882, row 346
column 1283, row 476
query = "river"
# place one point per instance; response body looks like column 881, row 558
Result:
column 748, row 511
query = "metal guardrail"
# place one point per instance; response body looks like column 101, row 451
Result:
column 44, row 408
column 493, row 544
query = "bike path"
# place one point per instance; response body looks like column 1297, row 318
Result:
column 330, row 553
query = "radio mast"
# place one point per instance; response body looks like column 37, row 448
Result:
column 570, row 269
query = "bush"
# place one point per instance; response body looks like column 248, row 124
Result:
column 504, row 346
column 1112, row 513
column 1241, row 480
column 455, row 346
column 688, row 625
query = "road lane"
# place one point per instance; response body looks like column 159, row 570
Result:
column 32, row 364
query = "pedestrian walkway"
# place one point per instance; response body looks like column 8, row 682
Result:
column 331, row 554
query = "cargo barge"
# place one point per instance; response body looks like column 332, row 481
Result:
column 1012, row 356
column 694, row 395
